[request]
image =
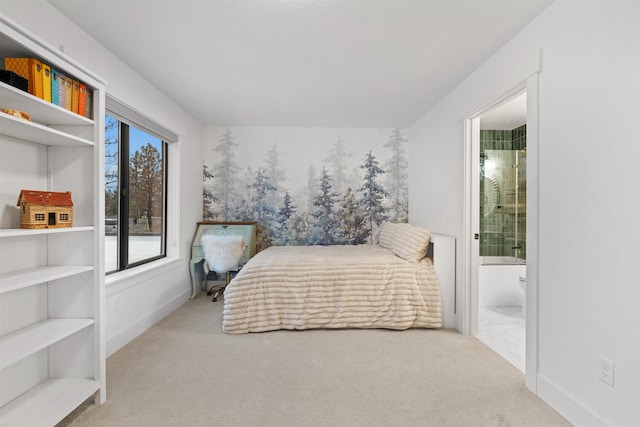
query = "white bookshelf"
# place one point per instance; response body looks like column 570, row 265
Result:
column 48, row 402
column 52, row 345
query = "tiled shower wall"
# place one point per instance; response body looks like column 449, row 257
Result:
column 502, row 207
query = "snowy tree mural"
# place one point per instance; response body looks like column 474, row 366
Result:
column 337, row 162
column 396, row 181
column 224, row 176
column 276, row 173
column 208, row 199
column 372, row 194
column 310, row 193
column 263, row 211
column 352, row 228
column 325, row 223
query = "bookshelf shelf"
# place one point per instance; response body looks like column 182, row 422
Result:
column 24, row 342
column 40, row 134
column 41, row 111
column 48, row 403
column 34, row 276
column 23, row 232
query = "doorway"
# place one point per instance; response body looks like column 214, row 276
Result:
column 467, row 316
column 501, row 211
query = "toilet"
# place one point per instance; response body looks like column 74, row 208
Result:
column 523, row 284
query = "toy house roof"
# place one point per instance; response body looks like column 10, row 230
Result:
column 46, row 198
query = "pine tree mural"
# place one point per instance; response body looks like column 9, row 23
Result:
column 337, row 163
column 208, row 199
column 325, row 223
column 342, row 203
column 224, row 187
column 247, row 194
column 276, row 173
column 299, row 230
column 352, row 225
column 312, row 189
column 396, row 178
column 372, row 194
column 264, row 213
column 285, row 214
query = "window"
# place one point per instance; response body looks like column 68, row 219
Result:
column 64, row 217
column 40, row 217
column 135, row 188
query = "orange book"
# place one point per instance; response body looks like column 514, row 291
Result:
column 46, row 82
column 74, row 97
column 68, row 100
column 82, row 98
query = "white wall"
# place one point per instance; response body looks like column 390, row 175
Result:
column 589, row 203
column 499, row 285
column 140, row 297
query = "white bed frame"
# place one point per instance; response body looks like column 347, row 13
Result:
column 443, row 253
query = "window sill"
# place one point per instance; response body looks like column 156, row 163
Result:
column 122, row 280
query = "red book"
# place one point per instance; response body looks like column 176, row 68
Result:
column 82, row 98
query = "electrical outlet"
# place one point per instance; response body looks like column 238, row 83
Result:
column 606, row 370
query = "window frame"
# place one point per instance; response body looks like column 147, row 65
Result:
column 127, row 118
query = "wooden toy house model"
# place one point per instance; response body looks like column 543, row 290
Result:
column 45, row 209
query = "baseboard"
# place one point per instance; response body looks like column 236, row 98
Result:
column 567, row 405
column 134, row 329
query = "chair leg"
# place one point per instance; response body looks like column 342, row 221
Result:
column 221, row 289
column 217, row 292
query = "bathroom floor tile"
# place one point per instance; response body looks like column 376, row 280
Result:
column 503, row 330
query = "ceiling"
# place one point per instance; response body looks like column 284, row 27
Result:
column 325, row 63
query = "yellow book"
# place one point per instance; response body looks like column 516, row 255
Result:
column 74, row 98
column 68, row 100
column 46, row 82
column 35, row 78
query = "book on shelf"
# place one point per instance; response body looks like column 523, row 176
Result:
column 62, row 90
column 88, row 110
column 74, row 97
column 82, row 98
column 46, row 82
column 55, row 87
column 36, row 74
column 68, row 98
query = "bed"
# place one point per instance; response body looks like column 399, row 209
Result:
column 389, row 285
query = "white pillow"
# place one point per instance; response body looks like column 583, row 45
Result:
column 222, row 251
column 410, row 242
column 387, row 235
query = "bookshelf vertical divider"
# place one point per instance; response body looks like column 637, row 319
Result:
column 52, row 296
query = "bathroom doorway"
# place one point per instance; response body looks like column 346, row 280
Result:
column 501, row 217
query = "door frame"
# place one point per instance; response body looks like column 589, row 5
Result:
column 470, row 246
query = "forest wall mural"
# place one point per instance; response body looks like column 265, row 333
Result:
column 306, row 186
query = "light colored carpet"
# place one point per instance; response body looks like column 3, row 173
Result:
column 185, row 372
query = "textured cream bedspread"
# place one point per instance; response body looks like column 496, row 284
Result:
column 306, row 287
